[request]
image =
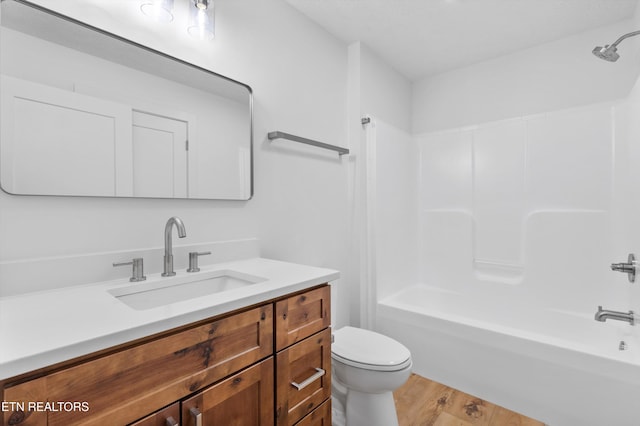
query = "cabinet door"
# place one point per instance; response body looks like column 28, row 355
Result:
column 303, row 378
column 321, row 416
column 169, row 416
column 298, row 317
column 244, row 399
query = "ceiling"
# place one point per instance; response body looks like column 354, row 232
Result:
column 425, row 37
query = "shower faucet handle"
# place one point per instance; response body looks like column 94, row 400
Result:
column 628, row 268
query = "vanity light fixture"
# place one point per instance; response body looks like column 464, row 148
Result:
column 201, row 24
column 201, row 19
column 160, row 10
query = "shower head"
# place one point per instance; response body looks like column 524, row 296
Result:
column 610, row 53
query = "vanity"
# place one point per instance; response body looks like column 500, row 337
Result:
column 253, row 355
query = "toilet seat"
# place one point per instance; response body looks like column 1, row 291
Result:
column 369, row 350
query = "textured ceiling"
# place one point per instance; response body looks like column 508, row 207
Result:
column 425, row 37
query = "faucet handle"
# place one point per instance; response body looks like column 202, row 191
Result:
column 193, row 260
column 138, row 269
column 628, row 268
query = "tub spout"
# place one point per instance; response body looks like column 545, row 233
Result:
column 603, row 315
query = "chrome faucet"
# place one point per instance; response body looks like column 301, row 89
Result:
column 168, row 244
column 603, row 315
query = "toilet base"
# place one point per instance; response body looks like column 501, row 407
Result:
column 371, row 409
column 338, row 415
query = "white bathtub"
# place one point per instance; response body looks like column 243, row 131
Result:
column 558, row 367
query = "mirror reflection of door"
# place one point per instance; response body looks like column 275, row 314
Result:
column 68, row 131
column 159, row 156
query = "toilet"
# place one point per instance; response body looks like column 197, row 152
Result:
column 367, row 368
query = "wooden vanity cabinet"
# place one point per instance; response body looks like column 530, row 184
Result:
column 303, row 360
column 222, row 371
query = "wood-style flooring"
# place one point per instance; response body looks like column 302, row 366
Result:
column 422, row 402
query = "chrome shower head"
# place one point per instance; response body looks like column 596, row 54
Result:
column 608, row 53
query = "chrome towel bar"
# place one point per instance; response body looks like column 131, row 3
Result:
column 283, row 135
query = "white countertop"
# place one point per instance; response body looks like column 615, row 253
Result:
column 44, row 328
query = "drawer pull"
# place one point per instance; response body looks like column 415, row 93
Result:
column 171, row 422
column 197, row 415
column 319, row 373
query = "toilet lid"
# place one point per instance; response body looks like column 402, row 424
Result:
column 369, row 350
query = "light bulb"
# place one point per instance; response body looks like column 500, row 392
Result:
column 160, row 10
column 201, row 20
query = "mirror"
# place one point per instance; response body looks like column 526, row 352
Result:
column 87, row 113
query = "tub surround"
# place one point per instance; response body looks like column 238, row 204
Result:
column 57, row 325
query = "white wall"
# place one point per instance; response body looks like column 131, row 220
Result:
column 300, row 203
column 552, row 76
column 384, row 92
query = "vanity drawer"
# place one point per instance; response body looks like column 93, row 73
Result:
column 303, row 378
column 302, row 315
column 321, row 416
column 126, row 385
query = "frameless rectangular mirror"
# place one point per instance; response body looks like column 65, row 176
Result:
column 87, row 113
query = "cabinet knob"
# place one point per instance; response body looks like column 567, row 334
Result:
column 197, row 416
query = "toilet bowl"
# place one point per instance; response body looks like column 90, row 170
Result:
column 370, row 367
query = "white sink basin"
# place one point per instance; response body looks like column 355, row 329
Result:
column 165, row 291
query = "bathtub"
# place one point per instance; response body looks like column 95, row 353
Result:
column 562, row 368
